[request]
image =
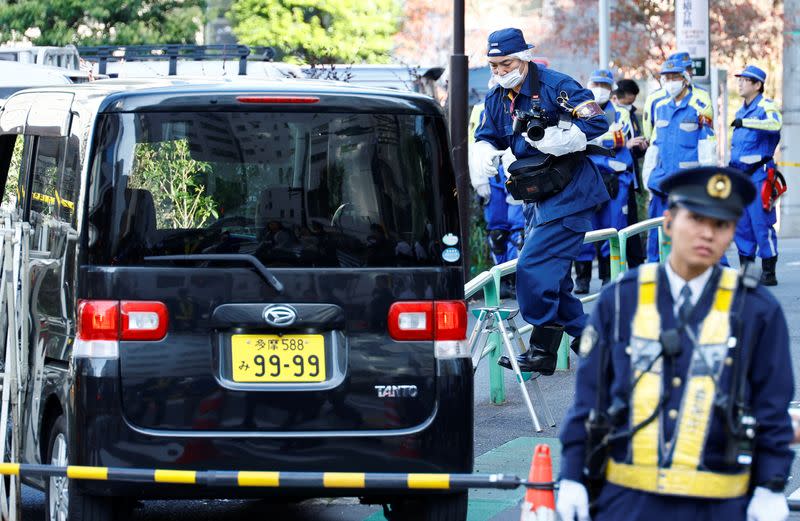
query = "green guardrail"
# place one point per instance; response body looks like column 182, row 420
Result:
column 489, row 283
column 636, row 229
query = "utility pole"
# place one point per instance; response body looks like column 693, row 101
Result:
column 604, row 40
column 459, row 87
column 790, row 147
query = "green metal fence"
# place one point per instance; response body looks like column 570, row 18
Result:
column 489, row 283
column 636, row 229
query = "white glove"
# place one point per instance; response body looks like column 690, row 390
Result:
column 573, row 501
column 559, row 142
column 649, row 163
column 483, row 160
column 767, row 505
column 707, row 152
column 507, row 158
column 513, row 202
column 483, row 191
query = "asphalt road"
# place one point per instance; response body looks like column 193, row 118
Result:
column 504, row 439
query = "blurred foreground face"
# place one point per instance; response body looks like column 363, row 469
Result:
column 697, row 241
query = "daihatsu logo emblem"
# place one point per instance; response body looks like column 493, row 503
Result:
column 280, row 316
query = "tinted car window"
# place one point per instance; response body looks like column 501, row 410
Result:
column 293, row 189
column 13, row 194
column 44, row 195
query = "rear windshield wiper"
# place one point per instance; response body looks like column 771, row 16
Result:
column 229, row 257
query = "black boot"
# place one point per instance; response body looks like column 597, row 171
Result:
column 604, row 269
column 583, row 276
column 768, row 271
column 542, row 355
column 743, row 259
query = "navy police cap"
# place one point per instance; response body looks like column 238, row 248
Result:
column 754, row 73
column 507, row 41
column 683, row 58
column 717, row 192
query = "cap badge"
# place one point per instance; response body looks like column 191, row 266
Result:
column 719, row 186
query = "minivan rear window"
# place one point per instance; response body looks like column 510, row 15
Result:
column 293, row 189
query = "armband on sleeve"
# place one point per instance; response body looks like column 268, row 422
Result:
column 619, row 139
column 587, row 109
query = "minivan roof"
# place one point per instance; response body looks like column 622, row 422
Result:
column 28, row 74
column 179, row 93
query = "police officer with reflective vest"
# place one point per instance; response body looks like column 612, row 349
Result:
column 617, row 173
column 756, row 132
column 682, row 393
column 683, row 134
column 624, row 97
column 505, row 222
column 546, row 118
column 651, row 154
column 661, row 93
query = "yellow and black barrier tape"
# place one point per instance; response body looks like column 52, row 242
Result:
column 787, row 163
column 246, row 478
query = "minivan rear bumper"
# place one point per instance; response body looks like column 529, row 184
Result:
column 103, row 437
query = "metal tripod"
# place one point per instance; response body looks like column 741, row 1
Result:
column 501, row 321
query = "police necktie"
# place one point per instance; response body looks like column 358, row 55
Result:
column 685, row 308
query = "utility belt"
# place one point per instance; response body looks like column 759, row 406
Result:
column 534, row 179
column 755, row 167
column 775, row 185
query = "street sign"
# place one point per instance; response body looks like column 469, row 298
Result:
column 700, row 67
column 692, row 33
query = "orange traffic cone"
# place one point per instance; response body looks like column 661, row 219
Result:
column 540, row 505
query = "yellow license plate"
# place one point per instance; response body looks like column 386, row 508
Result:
column 278, row 358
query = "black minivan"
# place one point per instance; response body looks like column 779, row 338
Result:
column 233, row 275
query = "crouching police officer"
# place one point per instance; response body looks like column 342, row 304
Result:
column 682, row 393
column 546, row 118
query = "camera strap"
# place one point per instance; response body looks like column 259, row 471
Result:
column 536, row 86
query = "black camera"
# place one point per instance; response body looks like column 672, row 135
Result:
column 532, row 122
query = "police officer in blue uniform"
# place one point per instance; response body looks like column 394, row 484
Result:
column 555, row 117
column 682, row 394
column 683, row 136
column 505, row 222
column 756, row 133
column 617, row 173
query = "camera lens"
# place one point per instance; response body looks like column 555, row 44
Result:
column 535, row 131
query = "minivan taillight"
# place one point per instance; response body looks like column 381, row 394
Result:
column 410, row 321
column 143, row 320
column 443, row 321
column 451, row 320
column 278, row 99
column 98, row 320
column 103, row 323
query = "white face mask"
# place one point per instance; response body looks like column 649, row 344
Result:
column 601, row 95
column 626, row 106
column 509, row 80
column 674, row 87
